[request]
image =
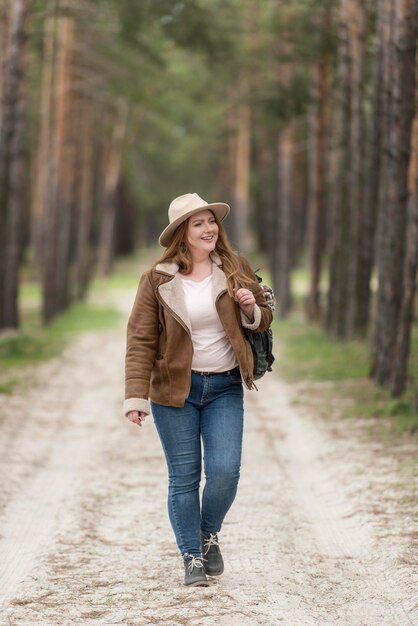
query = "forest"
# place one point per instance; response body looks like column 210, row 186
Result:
column 301, row 115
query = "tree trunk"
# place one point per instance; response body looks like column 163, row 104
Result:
column 49, row 181
column 112, row 174
column 39, row 194
column 56, row 215
column 357, row 18
column 394, row 210
column 127, row 217
column 224, row 172
column 85, row 201
column 367, row 231
column 338, row 294
column 299, row 196
column 388, row 33
column 4, row 30
column 13, row 163
column 398, row 375
column 284, row 241
column 241, row 212
column 347, row 199
column 266, row 163
column 65, row 159
column 317, row 165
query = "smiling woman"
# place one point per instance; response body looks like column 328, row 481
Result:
column 202, row 234
column 186, row 352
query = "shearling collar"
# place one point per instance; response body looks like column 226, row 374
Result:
column 172, row 268
column 171, row 291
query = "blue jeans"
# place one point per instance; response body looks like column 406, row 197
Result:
column 213, row 414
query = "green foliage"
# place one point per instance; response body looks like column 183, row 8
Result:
column 190, row 57
column 192, row 24
column 179, row 65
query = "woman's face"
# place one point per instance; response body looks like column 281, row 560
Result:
column 202, row 232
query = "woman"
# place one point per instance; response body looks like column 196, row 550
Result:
column 186, row 352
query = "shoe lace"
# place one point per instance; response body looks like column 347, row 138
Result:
column 212, row 540
column 195, row 561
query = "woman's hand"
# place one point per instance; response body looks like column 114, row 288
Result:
column 137, row 417
column 246, row 301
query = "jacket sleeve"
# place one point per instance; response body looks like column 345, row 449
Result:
column 141, row 347
column 263, row 315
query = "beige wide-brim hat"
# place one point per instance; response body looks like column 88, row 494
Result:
column 183, row 207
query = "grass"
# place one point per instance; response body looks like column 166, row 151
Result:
column 34, row 342
column 310, row 354
column 25, row 347
column 305, row 352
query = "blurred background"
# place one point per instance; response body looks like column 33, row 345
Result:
column 301, row 115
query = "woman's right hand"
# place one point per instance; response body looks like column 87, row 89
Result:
column 137, row 417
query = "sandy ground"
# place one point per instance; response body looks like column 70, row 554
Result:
column 321, row 533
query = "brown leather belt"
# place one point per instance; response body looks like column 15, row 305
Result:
column 236, row 369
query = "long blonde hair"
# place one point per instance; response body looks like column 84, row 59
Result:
column 178, row 252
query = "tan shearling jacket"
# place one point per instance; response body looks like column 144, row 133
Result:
column 159, row 347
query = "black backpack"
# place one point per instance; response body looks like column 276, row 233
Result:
column 262, row 343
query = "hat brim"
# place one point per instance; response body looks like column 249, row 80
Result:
column 220, row 209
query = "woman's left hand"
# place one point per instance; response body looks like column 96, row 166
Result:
column 246, row 301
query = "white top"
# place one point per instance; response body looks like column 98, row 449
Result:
column 212, row 350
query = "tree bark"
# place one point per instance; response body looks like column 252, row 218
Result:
column 284, row 240
column 39, row 194
column 299, row 195
column 398, row 375
column 241, row 213
column 387, row 80
column 394, row 213
column 13, row 164
column 4, row 31
column 338, row 294
column 48, row 197
column 112, row 174
column 317, row 181
column 347, row 200
column 266, row 163
column 65, row 159
column 357, row 19
column 85, row 201
column 374, row 164
column 56, row 215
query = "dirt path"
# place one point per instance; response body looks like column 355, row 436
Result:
column 314, row 537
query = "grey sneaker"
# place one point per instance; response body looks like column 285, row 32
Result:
column 214, row 564
column 194, row 572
